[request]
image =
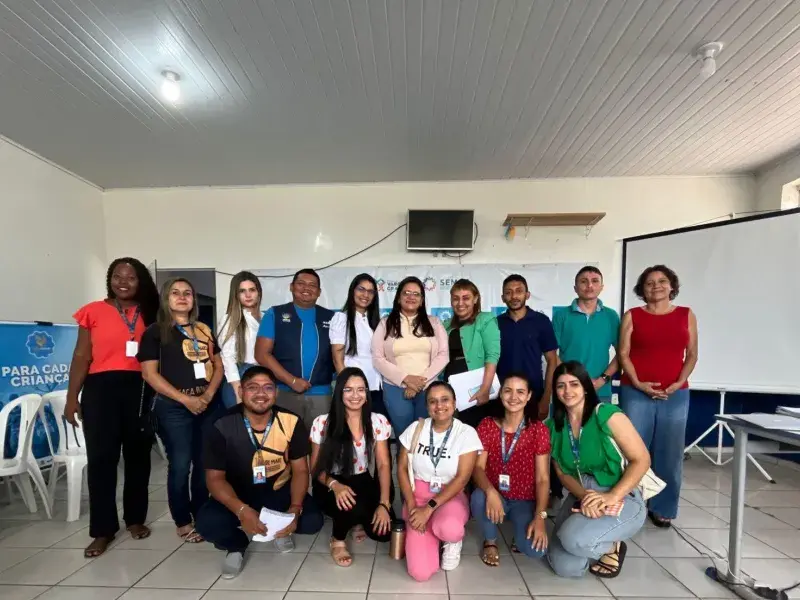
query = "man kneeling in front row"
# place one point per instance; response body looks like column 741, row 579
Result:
column 256, row 456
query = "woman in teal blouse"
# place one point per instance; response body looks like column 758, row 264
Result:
column 474, row 343
column 604, row 506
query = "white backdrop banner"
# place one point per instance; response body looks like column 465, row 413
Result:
column 551, row 285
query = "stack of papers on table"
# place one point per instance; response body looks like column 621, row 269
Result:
column 768, row 421
column 275, row 522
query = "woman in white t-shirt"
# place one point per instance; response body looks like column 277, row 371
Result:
column 237, row 336
column 442, row 452
column 351, row 473
column 357, row 321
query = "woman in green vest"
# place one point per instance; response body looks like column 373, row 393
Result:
column 604, row 506
column 474, row 343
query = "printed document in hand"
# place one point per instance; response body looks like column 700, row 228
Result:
column 467, row 385
column 275, row 522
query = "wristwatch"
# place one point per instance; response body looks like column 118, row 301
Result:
column 542, row 515
column 605, row 377
column 432, row 504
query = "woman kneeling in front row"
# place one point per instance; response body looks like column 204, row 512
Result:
column 604, row 506
column 512, row 474
column 441, row 452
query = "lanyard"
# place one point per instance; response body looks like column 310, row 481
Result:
column 436, row 460
column 259, row 446
column 505, row 457
column 576, row 452
column 131, row 325
column 192, row 337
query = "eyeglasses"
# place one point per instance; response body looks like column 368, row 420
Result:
column 411, row 294
column 363, row 290
column 254, row 388
column 359, row 390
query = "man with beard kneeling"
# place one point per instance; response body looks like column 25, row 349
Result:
column 256, row 456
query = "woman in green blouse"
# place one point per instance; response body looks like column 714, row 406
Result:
column 474, row 343
column 604, row 506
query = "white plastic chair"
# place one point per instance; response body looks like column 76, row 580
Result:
column 23, row 468
column 71, row 453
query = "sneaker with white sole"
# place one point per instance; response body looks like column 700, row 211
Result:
column 284, row 544
column 232, row 565
column 451, row 555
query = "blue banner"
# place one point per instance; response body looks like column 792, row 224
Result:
column 34, row 359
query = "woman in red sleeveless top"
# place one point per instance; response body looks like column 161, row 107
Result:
column 658, row 352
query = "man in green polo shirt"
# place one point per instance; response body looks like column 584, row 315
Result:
column 587, row 329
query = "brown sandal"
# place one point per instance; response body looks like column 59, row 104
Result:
column 610, row 564
column 97, row 547
column 139, row 532
column 491, row 555
column 340, row 555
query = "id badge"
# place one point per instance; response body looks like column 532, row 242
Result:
column 505, row 483
column 131, row 349
column 259, row 474
column 436, row 484
column 199, row 370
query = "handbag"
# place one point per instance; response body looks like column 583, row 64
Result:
column 414, row 442
column 650, row 484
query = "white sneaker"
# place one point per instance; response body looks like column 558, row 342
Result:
column 451, row 555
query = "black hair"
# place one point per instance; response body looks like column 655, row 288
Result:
column 439, row 384
column 588, row 269
column 373, row 311
column 146, row 293
column 422, row 324
column 336, row 450
column 674, row 282
column 307, row 272
column 590, row 399
column 515, row 277
column 255, row 371
column 531, row 408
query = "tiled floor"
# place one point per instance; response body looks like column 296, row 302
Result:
column 44, row 559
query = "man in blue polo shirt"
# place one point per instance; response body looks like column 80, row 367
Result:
column 586, row 331
column 293, row 342
column 526, row 336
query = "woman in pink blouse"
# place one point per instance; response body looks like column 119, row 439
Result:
column 409, row 350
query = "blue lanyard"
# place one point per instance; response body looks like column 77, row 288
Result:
column 576, row 451
column 505, row 457
column 252, row 435
column 442, row 448
column 131, row 325
column 191, row 337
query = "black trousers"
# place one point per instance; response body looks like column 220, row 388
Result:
column 368, row 497
column 110, row 412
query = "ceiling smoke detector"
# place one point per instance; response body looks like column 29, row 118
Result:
column 707, row 54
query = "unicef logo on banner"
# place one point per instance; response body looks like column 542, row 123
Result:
column 40, row 344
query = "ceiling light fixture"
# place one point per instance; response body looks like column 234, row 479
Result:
column 171, row 89
column 707, row 53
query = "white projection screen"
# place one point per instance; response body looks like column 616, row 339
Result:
column 742, row 279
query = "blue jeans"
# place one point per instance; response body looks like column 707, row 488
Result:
column 520, row 512
column 577, row 539
column 403, row 412
column 662, row 426
column 228, row 395
column 182, row 434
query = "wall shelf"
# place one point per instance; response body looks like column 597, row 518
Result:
column 553, row 219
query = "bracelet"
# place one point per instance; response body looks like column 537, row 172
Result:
column 239, row 512
column 386, row 506
column 294, row 380
column 330, row 483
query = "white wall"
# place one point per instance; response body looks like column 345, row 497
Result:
column 52, row 240
column 770, row 182
column 300, row 226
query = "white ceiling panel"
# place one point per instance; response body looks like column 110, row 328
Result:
column 291, row 91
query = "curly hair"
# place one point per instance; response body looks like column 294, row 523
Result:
column 674, row 282
column 146, row 292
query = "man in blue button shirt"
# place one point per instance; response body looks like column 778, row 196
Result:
column 587, row 330
column 293, row 342
column 526, row 336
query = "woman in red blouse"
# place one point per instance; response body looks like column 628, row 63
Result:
column 512, row 475
column 105, row 372
column 658, row 352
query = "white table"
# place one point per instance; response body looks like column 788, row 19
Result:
column 742, row 431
